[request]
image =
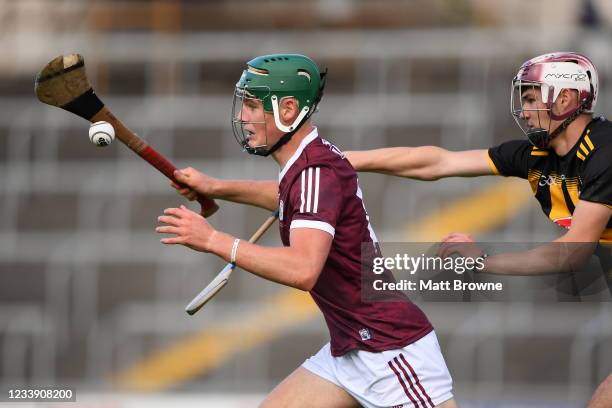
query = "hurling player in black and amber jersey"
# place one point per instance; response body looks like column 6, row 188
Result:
column 565, row 158
column 559, row 183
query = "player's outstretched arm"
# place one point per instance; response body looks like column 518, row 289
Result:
column 262, row 194
column 422, row 163
column 297, row 265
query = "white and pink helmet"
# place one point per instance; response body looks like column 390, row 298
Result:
column 551, row 73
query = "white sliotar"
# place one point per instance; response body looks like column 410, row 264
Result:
column 101, row 133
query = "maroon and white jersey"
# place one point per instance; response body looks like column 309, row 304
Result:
column 318, row 188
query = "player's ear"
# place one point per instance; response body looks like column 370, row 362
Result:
column 289, row 109
column 568, row 98
column 564, row 102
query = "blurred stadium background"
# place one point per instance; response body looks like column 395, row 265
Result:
column 90, row 299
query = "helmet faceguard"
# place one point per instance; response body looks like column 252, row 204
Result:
column 244, row 98
column 267, row 81
column 550, row 74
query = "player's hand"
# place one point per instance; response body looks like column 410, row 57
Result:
column 194, row 183
column 189, row 229
column 459, row 243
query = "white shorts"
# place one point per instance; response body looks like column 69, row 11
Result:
column 411, row 377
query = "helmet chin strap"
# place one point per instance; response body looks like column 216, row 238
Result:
column 290, row 130
column 281, row 142
column 540, row 138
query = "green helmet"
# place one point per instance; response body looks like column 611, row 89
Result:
column 270, row 78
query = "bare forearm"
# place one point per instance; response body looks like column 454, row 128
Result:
column 553, row 257
column 282, row 265
column 262, row 194
column 422, row 163
column 412, row 162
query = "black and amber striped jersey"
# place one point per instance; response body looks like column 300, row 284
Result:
column 558, row 183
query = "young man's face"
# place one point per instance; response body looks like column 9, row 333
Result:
column 258, row 125
column 534, row 111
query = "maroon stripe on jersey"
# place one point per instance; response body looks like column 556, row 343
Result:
column 401, row 380
column 416, row 378
column 414, row 390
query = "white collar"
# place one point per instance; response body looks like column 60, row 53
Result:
column 309, row 138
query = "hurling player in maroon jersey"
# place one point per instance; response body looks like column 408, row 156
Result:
column 381, row 353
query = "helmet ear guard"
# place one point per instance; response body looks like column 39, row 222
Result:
column 277, row 121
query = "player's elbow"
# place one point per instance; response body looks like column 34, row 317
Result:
column 307, row 277
column 431, row 172
column 580, row 256
column 428, row 175
column 439, row 166
column 424, row 163
column 578, row 250
column 273, row 203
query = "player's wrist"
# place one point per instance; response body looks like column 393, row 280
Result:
column 209, row 244
column 210, row 187
column 220, row 244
